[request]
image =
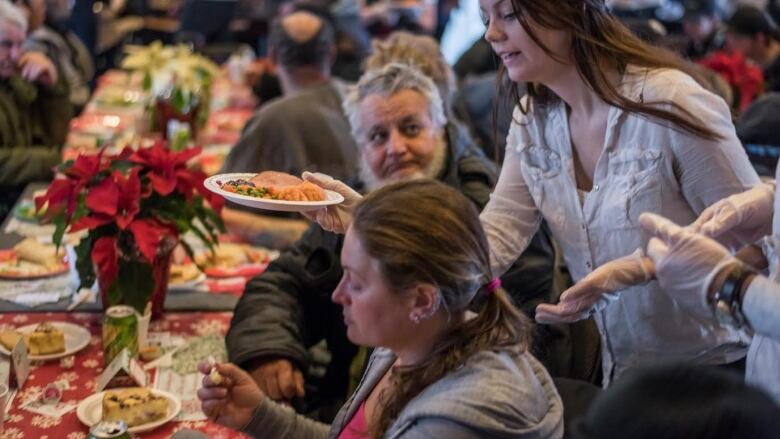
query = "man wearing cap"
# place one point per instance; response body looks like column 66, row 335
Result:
column 702, row 26
column 755, row 34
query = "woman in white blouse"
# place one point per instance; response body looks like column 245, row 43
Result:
column 610, row 128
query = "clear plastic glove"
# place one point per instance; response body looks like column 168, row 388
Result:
column 686, row 263
column 597, row 289
column 229, row 397
column 746, row 216
column 336, row 218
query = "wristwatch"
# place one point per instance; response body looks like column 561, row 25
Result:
column 727, row 301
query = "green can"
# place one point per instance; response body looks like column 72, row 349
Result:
column 120, row 331
column 109, row 430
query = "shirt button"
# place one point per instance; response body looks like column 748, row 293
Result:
column 596, row 187
column 587, row 264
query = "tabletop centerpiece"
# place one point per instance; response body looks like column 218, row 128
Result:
column 179, row 81
column 135, row 206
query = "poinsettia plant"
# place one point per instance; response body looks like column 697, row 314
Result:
column 135, row 203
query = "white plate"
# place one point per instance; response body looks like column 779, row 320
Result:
column 90, row 411
column 214, row 184
column 192, row 283
column 76, row 338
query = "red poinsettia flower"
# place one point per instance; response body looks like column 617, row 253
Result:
column 106, row 258
column 164, row 165
column 117, row 198
column 148, row 234
column 133, row 205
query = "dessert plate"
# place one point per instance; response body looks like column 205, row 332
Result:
column 76, row 339
column 90, row 411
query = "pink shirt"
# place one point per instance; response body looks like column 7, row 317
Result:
column 356, row 428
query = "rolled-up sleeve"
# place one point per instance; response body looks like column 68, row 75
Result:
column 510, row 218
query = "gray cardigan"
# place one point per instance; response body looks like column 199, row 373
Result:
column 494, row 395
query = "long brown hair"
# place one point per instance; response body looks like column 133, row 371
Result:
column 436, row 238
column 600, row 44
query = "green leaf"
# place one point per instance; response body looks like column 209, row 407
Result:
column 84, row 264
column 134, row 285
column 147, row 83
column 62, row 167
column 59, row 228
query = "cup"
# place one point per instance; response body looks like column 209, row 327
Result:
column 3, row 403
column 143, row 328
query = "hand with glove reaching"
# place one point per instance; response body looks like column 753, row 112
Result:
column 746, row 216
column 336, row 218
column 594, row 292
column 688, row 265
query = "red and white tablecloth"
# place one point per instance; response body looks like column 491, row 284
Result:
column 88, row 364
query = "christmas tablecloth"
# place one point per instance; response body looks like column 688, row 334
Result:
column 88, row 364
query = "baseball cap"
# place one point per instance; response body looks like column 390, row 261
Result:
column 749, row 20
column 695, row 8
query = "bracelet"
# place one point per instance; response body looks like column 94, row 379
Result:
column 729, row 294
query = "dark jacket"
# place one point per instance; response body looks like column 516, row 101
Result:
column 288, row 308
column 33, row 126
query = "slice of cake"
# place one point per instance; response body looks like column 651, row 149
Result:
column 45, row 340
column 134, row 406
column 9, row 339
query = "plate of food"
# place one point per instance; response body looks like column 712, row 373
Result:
column 31, row 259
column 46, row 340
column 142, row 409
column 185, row 275
column 234, row 260
column 272, row 190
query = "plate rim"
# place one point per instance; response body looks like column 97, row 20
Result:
column 173, row 412
column 59, row 355
column 64, row 269
column 210, row 183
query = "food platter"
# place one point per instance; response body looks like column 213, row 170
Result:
column 216, row 182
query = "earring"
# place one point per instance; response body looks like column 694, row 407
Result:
column 415, row 318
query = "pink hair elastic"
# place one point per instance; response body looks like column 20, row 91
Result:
column 492, row 286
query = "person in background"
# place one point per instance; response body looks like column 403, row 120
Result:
column 71, row 56
column 755, row 34
column 306, row 129
column 450, row 355
column 678, row 401
column 381, row 17
column 702, row 27
column 757, row 129
column 34, row 111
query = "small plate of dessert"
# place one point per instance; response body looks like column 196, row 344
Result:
column 30, row 259
column 184, row 276
column 141, row 408
column 234, row 260
column 272, row 190
column 46, row 340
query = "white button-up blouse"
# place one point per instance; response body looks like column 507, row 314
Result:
column 646, row 165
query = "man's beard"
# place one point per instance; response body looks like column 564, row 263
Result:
column 432, row 170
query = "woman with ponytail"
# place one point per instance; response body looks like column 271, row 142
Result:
column 450, row 358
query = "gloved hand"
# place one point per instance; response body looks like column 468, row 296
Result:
column 338, row 217
column 597, row 289
column 686, row 263
column 746, row 216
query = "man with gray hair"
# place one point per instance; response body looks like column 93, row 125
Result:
column 34, row 113
column 304, row 130
column 399, row 123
